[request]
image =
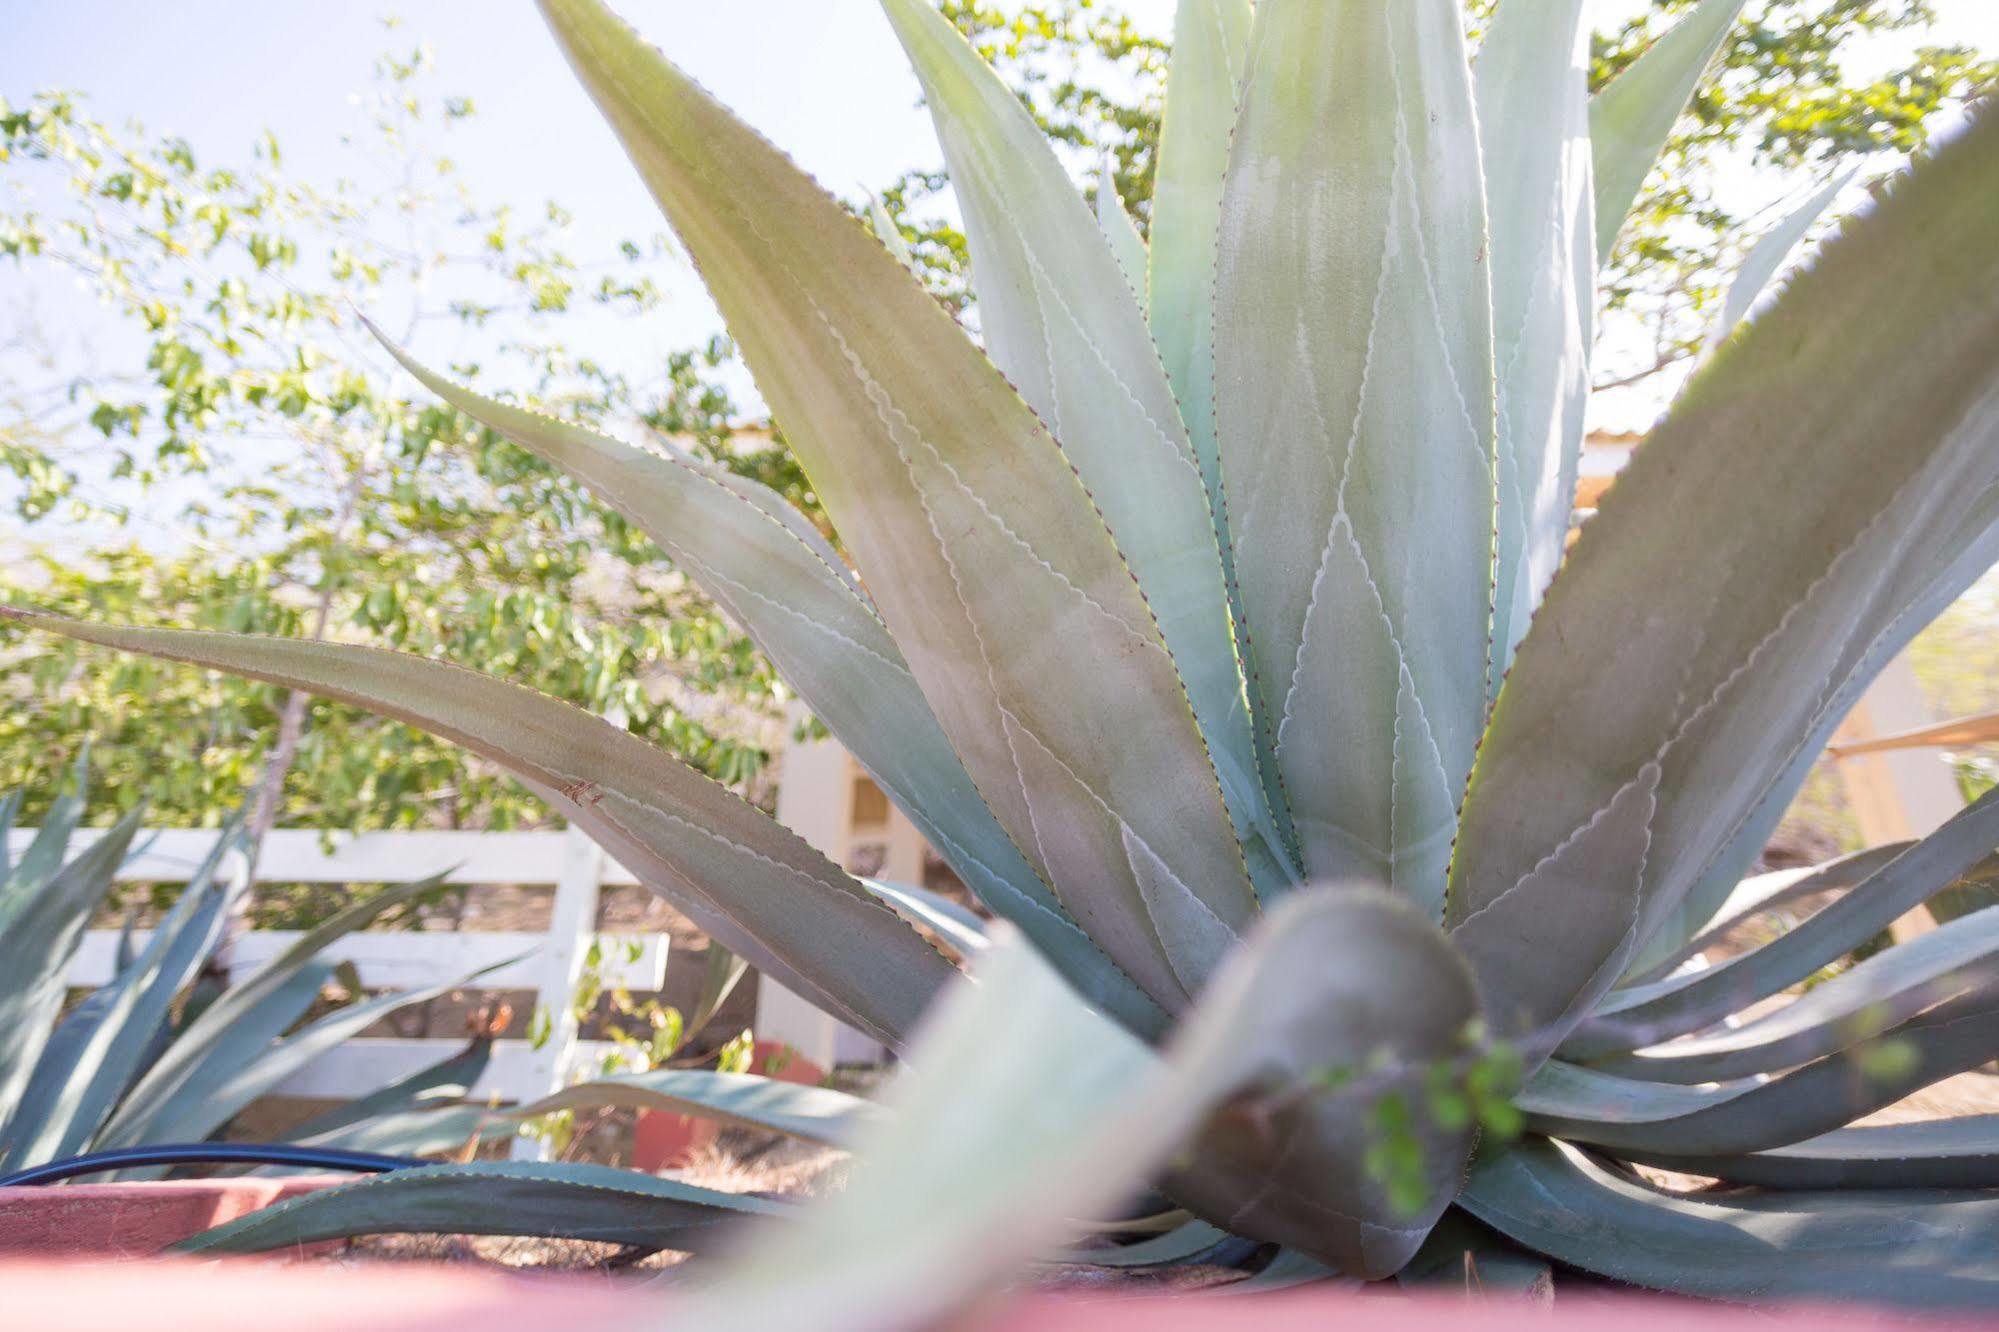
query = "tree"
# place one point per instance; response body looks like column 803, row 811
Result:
column 257, row 464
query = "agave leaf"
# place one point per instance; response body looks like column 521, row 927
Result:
column 1360, row 503
column 1120, row 232
column 1906, row 1247
column 1188, row 1242
column 138, row 1119
column 1532, row 85
column 741, row 1100
column 1349, row 1000
column 1286, row 1268
column 1852, row 1007
column 1969, row 548
column 1584, row 1105
column 963, row 1202
column 1765, row 894
column 1656, row 743
column 217, row 1090
column 967, row 518
column 128, row 951
column 1960, row 1153
column 36, row 946
column 1210, row 56
column 739, row 876
column 777, row 576
column 418, row 1130
column 1647, row 1014
column 813, row 1114
column 44, row 853
column 1061, row 323
column 744, row 1100
column 1631, row 119
column 891, row 235
column 448, row 1079
column 719, row 975
column 35, row 1110
column 248, row 1016
column 1466, row 1257
column 961, row 929
column 1768, row 254
column 565, row 1201
column 1204, row 80
column 97, row 1054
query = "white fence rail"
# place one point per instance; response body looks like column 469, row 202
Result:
column 517, row 1071
column 549, row 963
column 295, row 855
column 407, row 959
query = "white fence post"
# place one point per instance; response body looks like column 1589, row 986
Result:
column 571, row 926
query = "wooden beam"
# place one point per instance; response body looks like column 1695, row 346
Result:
column 1980, row 730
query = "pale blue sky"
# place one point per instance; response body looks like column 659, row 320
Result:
column 824, row 78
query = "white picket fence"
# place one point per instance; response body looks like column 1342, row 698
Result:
column 551, row 964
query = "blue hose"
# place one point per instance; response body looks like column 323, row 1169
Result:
column 212, row 1153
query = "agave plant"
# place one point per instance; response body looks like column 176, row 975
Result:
column 162, row 1053
column 1233, row 561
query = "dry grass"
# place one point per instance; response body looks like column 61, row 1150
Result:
column 739, row 1163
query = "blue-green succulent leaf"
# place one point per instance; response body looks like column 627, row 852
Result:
column 1631, row 118
column 569, row 1200
column 1354, row 396
column 772, row 571
column 1908, row 1247
column 967, row 519
column 1532, row 84
column 1627, row 752
column 1061, row 322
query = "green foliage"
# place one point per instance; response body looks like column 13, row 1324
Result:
column 1470, row 1091
column 244, row 470
column 645, row 1035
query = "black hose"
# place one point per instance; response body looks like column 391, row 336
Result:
column 212, row 1153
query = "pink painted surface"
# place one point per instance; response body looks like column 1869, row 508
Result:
column 1390, row 1311
column 244, row 1296
column 663, row 1142
column 130, row 1220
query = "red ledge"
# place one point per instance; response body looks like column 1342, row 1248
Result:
column 247, row 1296
column 132, row 1220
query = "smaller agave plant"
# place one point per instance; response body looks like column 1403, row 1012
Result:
column 1216, row 619
column 163, row 1053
